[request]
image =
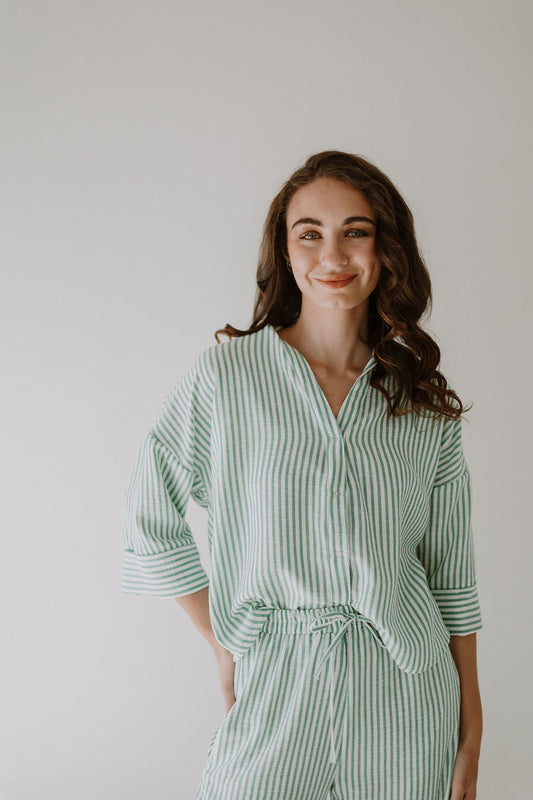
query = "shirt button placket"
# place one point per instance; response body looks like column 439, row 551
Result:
column 338, row 456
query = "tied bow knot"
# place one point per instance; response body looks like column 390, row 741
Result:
column 328, row 620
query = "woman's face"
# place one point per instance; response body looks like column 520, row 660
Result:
column 324, row 241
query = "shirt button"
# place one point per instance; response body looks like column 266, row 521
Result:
column 334, row 438
column 339, row 554
column 338, row 493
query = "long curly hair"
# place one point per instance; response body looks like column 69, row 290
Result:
column 402, row 349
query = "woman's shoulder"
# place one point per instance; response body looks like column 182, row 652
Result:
column 207, row 364
column 235, row 348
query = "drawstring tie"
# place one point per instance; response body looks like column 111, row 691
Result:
column 326, row 620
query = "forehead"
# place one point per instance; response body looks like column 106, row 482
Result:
column 328, row 197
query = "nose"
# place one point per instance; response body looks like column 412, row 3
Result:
column 333, row 254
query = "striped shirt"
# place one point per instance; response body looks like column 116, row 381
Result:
column 305, row 509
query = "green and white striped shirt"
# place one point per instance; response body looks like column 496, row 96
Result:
column 304, row 509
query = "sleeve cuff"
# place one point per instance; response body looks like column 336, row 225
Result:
column 172, row 573
column 460, row 609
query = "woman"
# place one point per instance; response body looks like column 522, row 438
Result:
column 342, row 603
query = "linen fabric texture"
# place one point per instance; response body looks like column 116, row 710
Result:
column 323, row 713
column 305, row 510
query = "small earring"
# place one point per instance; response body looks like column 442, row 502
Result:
column 288, row 266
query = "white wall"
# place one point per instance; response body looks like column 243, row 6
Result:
column 142, row 145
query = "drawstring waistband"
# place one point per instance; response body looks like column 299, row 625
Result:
column 315, row 620
column 327, row 620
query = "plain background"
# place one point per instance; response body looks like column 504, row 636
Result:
column 142, row 144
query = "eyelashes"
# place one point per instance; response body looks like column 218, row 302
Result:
column 354, row 230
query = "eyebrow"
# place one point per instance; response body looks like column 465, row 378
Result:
column 347, row 221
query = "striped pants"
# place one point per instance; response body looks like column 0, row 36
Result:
column 322, row 712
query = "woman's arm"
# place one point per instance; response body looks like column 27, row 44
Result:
column 196, row 606
column 463, row 649
column 465, row 771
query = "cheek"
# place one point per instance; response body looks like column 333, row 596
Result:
column 376, row 272
column 371, row 275
column 303, row 255
column 302, row 265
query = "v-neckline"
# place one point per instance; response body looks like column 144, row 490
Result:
column 298, row 359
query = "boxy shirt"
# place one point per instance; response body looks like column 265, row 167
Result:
column 305, row 509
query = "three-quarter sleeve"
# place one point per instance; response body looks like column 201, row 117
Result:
column 447, row 548
column 160, row 554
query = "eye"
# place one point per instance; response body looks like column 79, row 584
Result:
column 357, row 230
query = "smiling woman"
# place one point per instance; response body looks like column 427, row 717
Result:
column 339, row 215
column 327, row 447
column 334, row 263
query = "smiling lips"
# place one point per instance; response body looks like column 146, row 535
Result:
column 338, row 282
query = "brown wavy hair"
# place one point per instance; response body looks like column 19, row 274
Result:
column 402, row 349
